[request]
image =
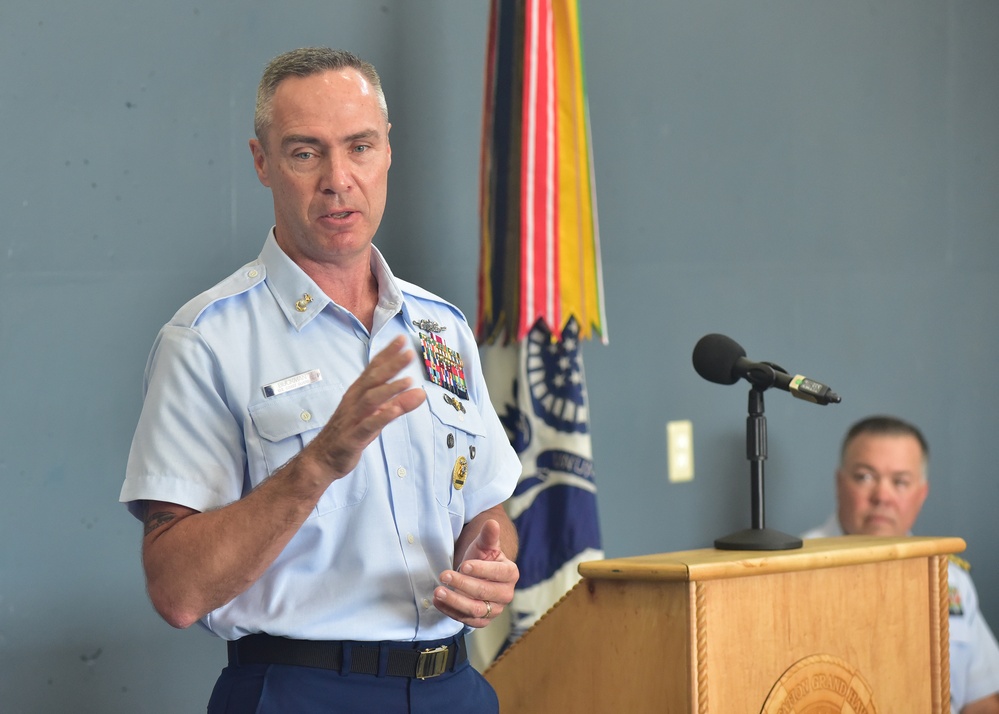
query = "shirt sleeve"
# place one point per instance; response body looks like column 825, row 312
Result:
column 983, row 672
column 974, row 654
column 188, row 446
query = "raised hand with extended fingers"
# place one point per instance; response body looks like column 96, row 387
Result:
column 370, row 403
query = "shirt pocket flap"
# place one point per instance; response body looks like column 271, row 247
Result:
column 465, row 417
column 293, row 413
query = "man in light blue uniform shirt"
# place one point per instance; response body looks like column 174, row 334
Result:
column 318, row 466
column 881, row 485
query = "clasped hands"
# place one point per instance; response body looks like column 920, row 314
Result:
column 482, row 585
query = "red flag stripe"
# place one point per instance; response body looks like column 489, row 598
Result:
column 552, row 276
column 528, row 163
column 539, row 281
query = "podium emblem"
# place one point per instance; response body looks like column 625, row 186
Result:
column 820, row 684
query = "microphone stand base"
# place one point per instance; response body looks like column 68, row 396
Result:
column 758, row 539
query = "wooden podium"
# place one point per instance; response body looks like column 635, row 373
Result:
column 853, row 624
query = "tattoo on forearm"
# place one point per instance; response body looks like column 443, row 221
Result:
column 155, row 520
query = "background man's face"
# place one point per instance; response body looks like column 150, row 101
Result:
column 881, row 485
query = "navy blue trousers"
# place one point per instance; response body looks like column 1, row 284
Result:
column 282, row 689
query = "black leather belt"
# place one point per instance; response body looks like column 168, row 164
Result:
column 403, row 659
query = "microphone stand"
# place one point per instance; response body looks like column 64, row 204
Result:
column 759, row 537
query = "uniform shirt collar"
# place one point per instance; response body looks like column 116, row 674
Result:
column 832, row 526
column 301, row 299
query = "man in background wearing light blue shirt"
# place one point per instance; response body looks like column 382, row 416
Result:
column 312, row 492
column 881, row 485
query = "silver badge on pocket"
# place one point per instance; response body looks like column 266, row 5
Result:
column 296, row 382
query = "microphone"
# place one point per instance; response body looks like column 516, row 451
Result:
column 722, row 360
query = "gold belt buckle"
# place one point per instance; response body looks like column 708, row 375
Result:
column 431, row 662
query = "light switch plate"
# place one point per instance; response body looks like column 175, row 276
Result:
column 680, row 450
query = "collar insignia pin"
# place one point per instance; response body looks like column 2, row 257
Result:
column 302, row 305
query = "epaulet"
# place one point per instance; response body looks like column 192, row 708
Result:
column 417, row 291
column 247, row 277
column 960, row 562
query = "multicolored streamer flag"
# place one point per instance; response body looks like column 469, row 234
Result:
column 540, row 255
column 540, row 294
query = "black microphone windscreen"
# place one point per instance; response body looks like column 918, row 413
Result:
column 714, row 357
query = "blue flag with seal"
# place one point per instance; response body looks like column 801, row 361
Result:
column 554, row 507
column 540, row 292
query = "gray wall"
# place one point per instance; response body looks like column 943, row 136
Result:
column 818, row 180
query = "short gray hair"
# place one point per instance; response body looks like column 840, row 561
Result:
column 886, row 425
column 305, row 62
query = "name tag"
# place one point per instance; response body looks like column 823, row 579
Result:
column 286, row 385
